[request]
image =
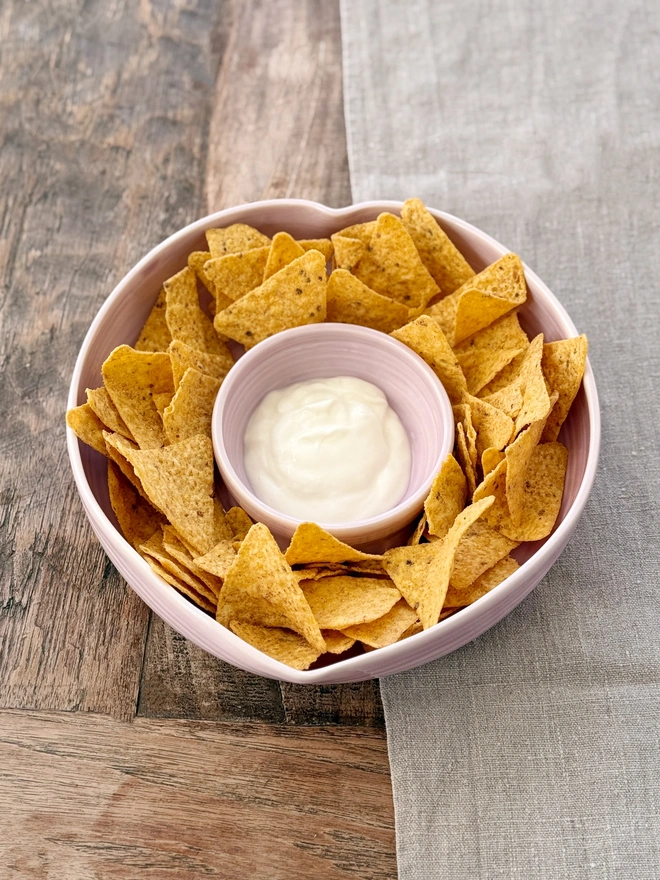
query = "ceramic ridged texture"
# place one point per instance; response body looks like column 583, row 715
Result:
column 322, row 351
column 533, row 753
column 120, row 320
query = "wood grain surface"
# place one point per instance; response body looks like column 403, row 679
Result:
column 93, row 797
column 120, row 123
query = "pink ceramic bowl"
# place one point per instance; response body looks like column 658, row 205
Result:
column 119, row 321
column 322, row 351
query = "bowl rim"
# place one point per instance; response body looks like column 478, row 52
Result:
column 199, row 627
column 349, row 532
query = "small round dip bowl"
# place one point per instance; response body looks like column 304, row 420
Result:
column 323, row 351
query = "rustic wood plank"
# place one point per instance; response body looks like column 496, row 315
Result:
column 357, row 703
column 93, row 797
column 103, row 141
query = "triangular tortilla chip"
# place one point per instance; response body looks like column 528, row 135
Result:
column 348, row 252
column 183, row 356
column 352, row 302
column 478, row 550
column 482, row 355
column 494, row 428
column 336, row 642
column 178, row 550
column 87, row 426
column 427, row 340
column 490, row 459
column 131, row 379
column 343, row 601
column 387, row 629
column 446, row 264
column 465, row 459
column 393, row 267
column 311, row 544
column 459, row 598
column 446, row 497
column 137, row 519
column 236, row 274
column 324, row 245
column 361, row 231
column 191, row 408
column 422, row 573
column 155, row 549
column 218, row 560
column 518, row 455
column 101, row 402
column 155, row 334
column 116, row 446
column 260, row 581
column 185, row 319
column 234, row 238
column 283, row 250
column 239, row 523
column 280, row 644
column 563, row 366
column 292, row 297
column 197, row 262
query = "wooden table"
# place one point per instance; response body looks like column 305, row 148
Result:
column 126, row 750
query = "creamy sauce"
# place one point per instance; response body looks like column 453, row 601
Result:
column 327, row 450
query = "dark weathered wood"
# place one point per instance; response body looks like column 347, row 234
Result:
column 357, row 703
column 103, row 144
column 92, row 797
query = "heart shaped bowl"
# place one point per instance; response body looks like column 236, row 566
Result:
column 119, row 321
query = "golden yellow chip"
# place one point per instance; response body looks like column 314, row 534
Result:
column 137, row 519
column 155, row 549
column 536, row 403
column 422, row 573
column 197, row 262
column 131, row 379
column 494, row 428
column 311, row 544
column 351, row 302
column 427, row 340
column 116, row 446
column 459, row 598
column 155, row 334
column 239, row 523
column 280, row 644
column 173, row 545
column 480, row 548
column 482, row 355
column 505, row 377
column 324, row 245
column 420, row 528
column 509, row 399
column 185, row 319
column 218, row 560
column 465, row 459
column 348, row 252
column 518, row 455
column 393, row 267
column 191, row 408
column 563, row 366
column 490, row 459
column 178, row 480
column 387, row 629
column 180, row 585
column 261, row 589
column 291, row 298
column 412, row 630
column 284, row 249
column 182, row 357
column 233, row 276
column 543, row 491
column 234, row 238
column 101, row 403
column 446, row 264
column 336, row 642
column 87, row 426
column 446, row 498
column 466, row 440
column 343, row 601
column 361, row 231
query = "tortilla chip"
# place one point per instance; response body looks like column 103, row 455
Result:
column 178, row 480
column 361, row 231
column 348, row 252
column 387, row 629
column 446, row 264
column 218, row 560
column 155, row 549
column 412, row 630
column 543, row 491
column 233, row 276
column 191, row 408
column 536, row 403
column 509, row 399
column 490, row 459
column 494, row 428
column 183, row 356
column 162, row 401
column 137, row 519
column 351, row 302
column 482, row 355
column 420, row 528
column 422, row 573
column 180, row 585
column 292, row 297
column 197, row 262
column 131, row 379
column 101, row 403
column 324, row 245
column 563, row 366
column 260, row 588
column 87, row 426
column 239, row 523
column 116, row 446
column 480, row 548
column 427, row 340
column 392, row 265
column 343, row 601
column 466, row 441
column 465, row 459
column 518, row 455
column 283, row 250
column 187, row 322
column 234, row 238
column 336, row 642
column 446, row 498
column 505, row 377
column 460, row 598
column 178, row 551
column 155, row 334
column 311, row 544
column 280, row 644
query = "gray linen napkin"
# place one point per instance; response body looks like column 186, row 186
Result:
column 533, row 752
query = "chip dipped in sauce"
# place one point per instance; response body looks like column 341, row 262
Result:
column 327, row 450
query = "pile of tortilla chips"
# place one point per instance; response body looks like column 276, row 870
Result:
column 151, row 418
